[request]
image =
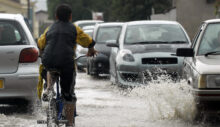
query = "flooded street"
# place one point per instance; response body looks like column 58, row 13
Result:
column 101, row 104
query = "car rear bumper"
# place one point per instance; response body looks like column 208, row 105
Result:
column 22, row 84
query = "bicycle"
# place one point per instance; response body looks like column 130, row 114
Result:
column 54, row 110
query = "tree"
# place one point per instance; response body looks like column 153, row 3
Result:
column 127, row 10
column 114, row 10
column 79, row 11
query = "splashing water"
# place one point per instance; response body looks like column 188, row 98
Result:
column 166, row 99
column 160, row 103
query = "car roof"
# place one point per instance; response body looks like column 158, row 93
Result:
column 88, row 27
column 87, row 21
column 151, row 22
column 212, row 21
column 110, row 24
column 10, row 16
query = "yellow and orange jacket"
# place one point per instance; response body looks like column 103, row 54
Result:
column 82, row 39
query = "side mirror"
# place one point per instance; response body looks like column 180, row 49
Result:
column 185, row 52
column 112, row 43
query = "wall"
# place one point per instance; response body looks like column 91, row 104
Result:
column 171, row 15
column 191, row 13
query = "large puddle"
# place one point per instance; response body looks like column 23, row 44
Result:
column 101, row 104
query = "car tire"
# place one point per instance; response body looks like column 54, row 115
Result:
column 80, row 69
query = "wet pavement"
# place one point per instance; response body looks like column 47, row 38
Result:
column 101, row 104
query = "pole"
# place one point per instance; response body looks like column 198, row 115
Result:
column 28, row 9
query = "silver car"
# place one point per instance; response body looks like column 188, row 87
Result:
column 103, row 33
column 202, row 62
column 19, row 61
column 80, row 51
column 145, row 49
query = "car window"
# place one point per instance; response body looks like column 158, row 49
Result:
column 89, row 32
column 210, row 41
column 108, row 33
column 154, row 33
column 86, row 24
column 11, row 33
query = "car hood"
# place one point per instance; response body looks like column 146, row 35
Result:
column 208, row 65
column 102, row 48
column 145, row 48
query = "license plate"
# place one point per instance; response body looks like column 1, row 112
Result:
column 1, row 84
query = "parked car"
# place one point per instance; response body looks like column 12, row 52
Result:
column 89, row 30
column 19, row 60
column 145, row 49
column 202, row 63
column 80, row 51
column 102, row 34
column 83, row 23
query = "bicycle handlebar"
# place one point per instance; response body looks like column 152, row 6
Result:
column 80, row 57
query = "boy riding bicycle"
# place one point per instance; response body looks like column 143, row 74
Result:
column 58, row 44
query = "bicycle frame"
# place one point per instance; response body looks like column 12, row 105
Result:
column 56, row 103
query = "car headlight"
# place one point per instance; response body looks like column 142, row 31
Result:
column 209, row 81
column 128, row 58
column 127, row 55
column 213, row 81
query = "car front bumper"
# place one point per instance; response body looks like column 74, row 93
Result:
column 204, row 95
column 137, row 73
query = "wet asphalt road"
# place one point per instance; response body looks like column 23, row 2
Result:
column 101, row 104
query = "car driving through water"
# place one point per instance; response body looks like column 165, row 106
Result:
column 145, row 49
column 202, row 63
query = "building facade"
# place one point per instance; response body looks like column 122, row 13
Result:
column 20, row 7
column 191, row 13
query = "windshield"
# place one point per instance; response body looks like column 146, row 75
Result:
column 210, row 41
column 11, row 33
column 155, row 33
column 108, row 33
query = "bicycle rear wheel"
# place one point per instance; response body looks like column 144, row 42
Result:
column 52, row 114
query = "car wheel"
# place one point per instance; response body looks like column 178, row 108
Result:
column 80, row 69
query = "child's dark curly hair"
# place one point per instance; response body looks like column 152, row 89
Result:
column 63, row 12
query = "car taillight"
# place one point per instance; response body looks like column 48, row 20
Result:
column 28, row 55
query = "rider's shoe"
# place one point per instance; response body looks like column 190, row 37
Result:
column 46, row 93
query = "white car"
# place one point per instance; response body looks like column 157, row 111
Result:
column 145, row 50
column 19, row 62
column 202, row 62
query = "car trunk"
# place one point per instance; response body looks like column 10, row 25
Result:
column 9, row 58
